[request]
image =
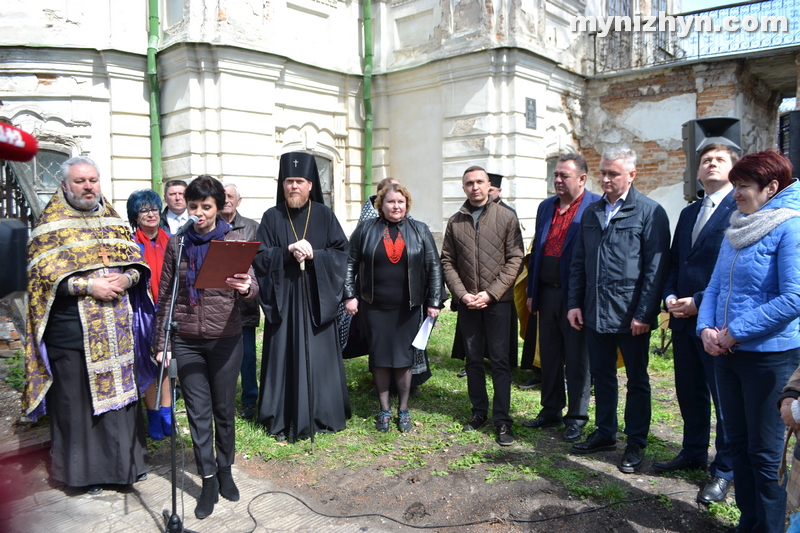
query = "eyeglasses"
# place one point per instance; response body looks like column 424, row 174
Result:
column 147, row 211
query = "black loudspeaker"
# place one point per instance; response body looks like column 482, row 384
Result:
column 696, row 135
column 14, row 248
column 789, row 138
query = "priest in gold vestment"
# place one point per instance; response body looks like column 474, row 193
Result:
column 88, row 342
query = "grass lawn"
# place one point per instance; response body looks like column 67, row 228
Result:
column 438, row 447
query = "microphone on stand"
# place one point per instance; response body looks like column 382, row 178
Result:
column 188, row 224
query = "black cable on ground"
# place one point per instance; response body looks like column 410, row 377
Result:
column 463, row 524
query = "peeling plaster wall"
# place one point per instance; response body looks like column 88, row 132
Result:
column 443, row 117
column 83, row 103
column 75, row 24
column 241, row 84
column 321, row 33
column 236, row 115
column 646, row 111
column 415, row 32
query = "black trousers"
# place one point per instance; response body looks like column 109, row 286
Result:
column 487, row 329
column 603, row 365
column 696, row 387
column 561, row 345
column 208, row 370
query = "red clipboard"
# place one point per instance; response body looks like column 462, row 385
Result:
column 223, row 260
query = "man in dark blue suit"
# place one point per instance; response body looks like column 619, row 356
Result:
column 558, row 221
column 698, row 237
column 617, row 275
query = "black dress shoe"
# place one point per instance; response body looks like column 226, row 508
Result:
column 542, row 422
column 531, row 382
column 716, row 491
column 594, row 443
column 248, row 411
column 94, row 490
column 679, row 463
column 462, row 374
column 572, row 432
column 631, row 459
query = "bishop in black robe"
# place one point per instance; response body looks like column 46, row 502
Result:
column 284, row 393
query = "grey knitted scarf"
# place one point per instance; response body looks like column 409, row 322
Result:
column 746, row 230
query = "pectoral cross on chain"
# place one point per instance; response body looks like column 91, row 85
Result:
column 104, row 255
column 295, row 163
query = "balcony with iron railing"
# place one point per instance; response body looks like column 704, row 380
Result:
column 770, row 26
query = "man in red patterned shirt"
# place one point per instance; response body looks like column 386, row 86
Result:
column 558, row 221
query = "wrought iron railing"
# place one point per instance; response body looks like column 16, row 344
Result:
column 623, row 50
column 13, row 203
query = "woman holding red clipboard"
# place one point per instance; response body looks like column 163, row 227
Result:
column 208, row 342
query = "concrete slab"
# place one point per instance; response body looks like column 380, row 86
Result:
column 139, row 508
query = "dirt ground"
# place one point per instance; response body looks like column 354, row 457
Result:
column 453, row 502
column 450, row 503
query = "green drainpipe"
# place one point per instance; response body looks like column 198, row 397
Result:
column 155, row 98
column 367, row 95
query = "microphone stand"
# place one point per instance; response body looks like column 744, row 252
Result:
column 171, row 520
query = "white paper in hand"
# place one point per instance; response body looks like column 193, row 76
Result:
column 424, row 333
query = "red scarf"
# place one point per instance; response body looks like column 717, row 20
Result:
column 394, row 250
column 153, row 256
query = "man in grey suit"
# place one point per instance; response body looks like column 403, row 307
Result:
column 251, row 313
column 698, row 237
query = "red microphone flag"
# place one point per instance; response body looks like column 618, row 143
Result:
column 15, row 144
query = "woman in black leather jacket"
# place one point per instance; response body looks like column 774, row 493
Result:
column 394, row 276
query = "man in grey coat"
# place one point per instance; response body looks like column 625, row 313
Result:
column 251, row 314
column 617, row 276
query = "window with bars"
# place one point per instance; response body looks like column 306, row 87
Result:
column 662, row 50
column 619, row 8
column 616, row 47
column 551, row 169
column 38, row 178
column 324, row 167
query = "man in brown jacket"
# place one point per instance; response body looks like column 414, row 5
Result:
column 481, row 256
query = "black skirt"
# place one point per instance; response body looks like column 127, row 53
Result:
column 86, row 449
column 390, row 333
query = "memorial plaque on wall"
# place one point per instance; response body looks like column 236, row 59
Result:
column 530, row 113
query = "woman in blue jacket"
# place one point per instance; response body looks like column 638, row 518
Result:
column 749, row 319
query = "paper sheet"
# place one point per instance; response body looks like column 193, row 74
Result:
column 424, row 333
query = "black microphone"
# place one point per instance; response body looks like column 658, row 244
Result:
column 188, row 224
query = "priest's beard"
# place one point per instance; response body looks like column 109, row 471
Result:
column 296, row 202
column 78, row 202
